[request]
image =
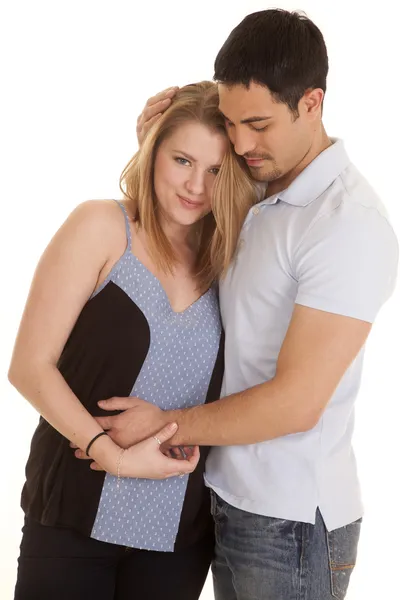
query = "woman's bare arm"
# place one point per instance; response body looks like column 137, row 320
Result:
column 66, row 276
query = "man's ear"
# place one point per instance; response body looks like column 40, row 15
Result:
column 312, row 103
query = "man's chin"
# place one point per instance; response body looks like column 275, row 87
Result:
column 259, row 174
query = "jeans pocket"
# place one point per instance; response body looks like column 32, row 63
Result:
column 219, row 512
column 342, row 548
column 213, row 498
column 216, row 505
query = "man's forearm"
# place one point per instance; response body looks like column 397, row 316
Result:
column 260, row 413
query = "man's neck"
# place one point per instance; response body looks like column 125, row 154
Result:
column 320, row 143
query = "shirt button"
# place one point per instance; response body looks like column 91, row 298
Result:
column 256, row 210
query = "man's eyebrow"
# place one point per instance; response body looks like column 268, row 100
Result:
column 249, row 119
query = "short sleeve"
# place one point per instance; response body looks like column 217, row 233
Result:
column 347, row 263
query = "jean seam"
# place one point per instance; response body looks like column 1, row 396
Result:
column 302, row 563
column 330, row 564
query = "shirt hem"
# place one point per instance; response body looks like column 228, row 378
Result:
column 263, row 508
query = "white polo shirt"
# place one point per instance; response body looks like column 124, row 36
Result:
column 324, row 242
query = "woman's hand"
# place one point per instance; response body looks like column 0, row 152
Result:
column 146, row 460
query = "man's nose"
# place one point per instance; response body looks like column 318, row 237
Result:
column 243, row 141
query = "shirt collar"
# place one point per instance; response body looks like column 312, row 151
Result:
column 315, row 178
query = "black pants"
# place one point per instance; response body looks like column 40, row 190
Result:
column 60, row 564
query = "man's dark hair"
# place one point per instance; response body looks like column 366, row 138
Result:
column 284, row 51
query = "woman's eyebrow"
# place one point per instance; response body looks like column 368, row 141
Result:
column 185, row 153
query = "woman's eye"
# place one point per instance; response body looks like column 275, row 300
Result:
column 214, row 171
column 260, row 128
column 182, row 161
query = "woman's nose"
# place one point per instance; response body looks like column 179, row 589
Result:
column 195, row 184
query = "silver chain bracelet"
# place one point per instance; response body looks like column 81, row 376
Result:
column 119, row 461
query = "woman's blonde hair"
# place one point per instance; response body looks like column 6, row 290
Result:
column 233, row 192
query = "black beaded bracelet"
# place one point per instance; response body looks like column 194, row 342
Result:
column 93, row 441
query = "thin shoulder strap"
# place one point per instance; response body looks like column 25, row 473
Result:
column 127, row 227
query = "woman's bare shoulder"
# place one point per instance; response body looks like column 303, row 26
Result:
column 102, row 219
column 98, row 211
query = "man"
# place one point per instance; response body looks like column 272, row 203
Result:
column 316, row 260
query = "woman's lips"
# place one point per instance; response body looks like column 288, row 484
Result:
column 187, row 203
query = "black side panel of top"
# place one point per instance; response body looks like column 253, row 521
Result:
column 102, row 358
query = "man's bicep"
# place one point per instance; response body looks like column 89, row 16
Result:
column 318, row 349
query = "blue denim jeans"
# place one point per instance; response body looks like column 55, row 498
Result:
column 263, row 558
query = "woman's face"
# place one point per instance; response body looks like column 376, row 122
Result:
column 186, row 165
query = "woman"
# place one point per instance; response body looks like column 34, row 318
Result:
column 123, row 303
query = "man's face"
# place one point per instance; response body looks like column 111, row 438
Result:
column 265, row 132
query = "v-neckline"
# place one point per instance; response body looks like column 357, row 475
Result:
column 160, row 285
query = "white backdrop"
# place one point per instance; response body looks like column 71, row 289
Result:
column 75, row 75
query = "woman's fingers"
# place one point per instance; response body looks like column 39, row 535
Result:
column 165, row 433
column 195, row 454
column 174, row 468
column 178, row 452
column 147, row 460
column 171, row 452
column 187, row 451
column 184, row 466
